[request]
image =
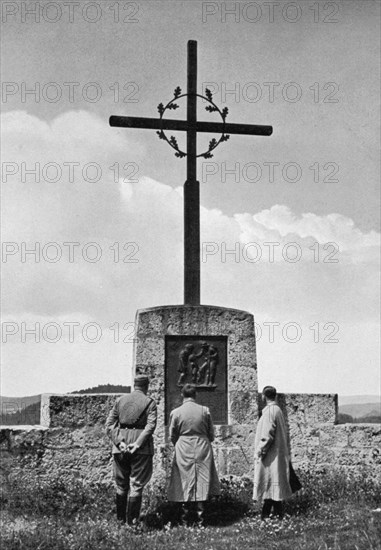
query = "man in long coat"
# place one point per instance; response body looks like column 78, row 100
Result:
column 194, row 476
column 272, row 474
column 130, row 426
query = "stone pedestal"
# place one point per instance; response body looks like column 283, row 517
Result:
column 161, row 335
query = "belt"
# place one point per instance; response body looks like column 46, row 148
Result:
column 131, row 427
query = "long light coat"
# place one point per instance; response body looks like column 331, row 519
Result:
column 271, row 478
column 194, row 476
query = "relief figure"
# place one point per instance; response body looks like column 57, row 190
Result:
column 201, row 365
column 183, row 363
column 205, row 364
column 212, row 369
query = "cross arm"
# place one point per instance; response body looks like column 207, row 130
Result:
column 149, row 123
column 183, row 125
column 231, row 128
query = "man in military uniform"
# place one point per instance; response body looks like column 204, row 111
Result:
column 130, row 426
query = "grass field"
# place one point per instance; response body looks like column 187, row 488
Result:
column 333, row 511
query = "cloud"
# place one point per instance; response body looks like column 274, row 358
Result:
column 72, row 135
column 129, row 219
column 279, row 221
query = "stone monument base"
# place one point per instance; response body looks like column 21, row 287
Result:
column 214, row 348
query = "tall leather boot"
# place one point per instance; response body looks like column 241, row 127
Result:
column 121, row 507
column 267, row 505
column 133, row 509
column 200, row 512
column 278, row 509
column 190, row 516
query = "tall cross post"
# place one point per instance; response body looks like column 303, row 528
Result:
column 191, row 187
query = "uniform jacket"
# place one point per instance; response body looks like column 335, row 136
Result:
column 127, row 423
column 194, row 476
column 271, row 479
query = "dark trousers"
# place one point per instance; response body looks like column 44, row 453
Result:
column 132, row 473
column 269, row 505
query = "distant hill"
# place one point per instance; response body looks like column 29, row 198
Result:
column 9, row 405
column 16, row 411
column 348, row 419
column 358, row 399
column 106, row 388
column 367, row 409
column 358, row 410
column 25, row 411
column 29, row 415
column 344, row 418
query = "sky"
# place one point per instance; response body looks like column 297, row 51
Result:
column 289, row 223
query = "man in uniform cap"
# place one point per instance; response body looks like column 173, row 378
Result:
column 130, row 426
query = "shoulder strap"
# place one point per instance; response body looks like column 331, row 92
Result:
column 143, row 411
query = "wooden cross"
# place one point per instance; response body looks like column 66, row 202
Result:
column 191, row 187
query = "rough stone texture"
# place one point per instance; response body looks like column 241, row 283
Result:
column 75, row 443
column 75, row 410
column 82, row 450
column 242, row 378
column 149, row 356
column 45, row 410
column 306, row 409
column 346, row 445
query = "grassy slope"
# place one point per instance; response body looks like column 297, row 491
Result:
column 333, row 511
column 338, row 526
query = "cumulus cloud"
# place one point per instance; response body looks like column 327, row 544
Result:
column 280, row 223
column 73, row 135
column 142, row 219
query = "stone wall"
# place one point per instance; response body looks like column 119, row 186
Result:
column 317, row 441
column 75, row 443
column 71, row 440
column 234, row 445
